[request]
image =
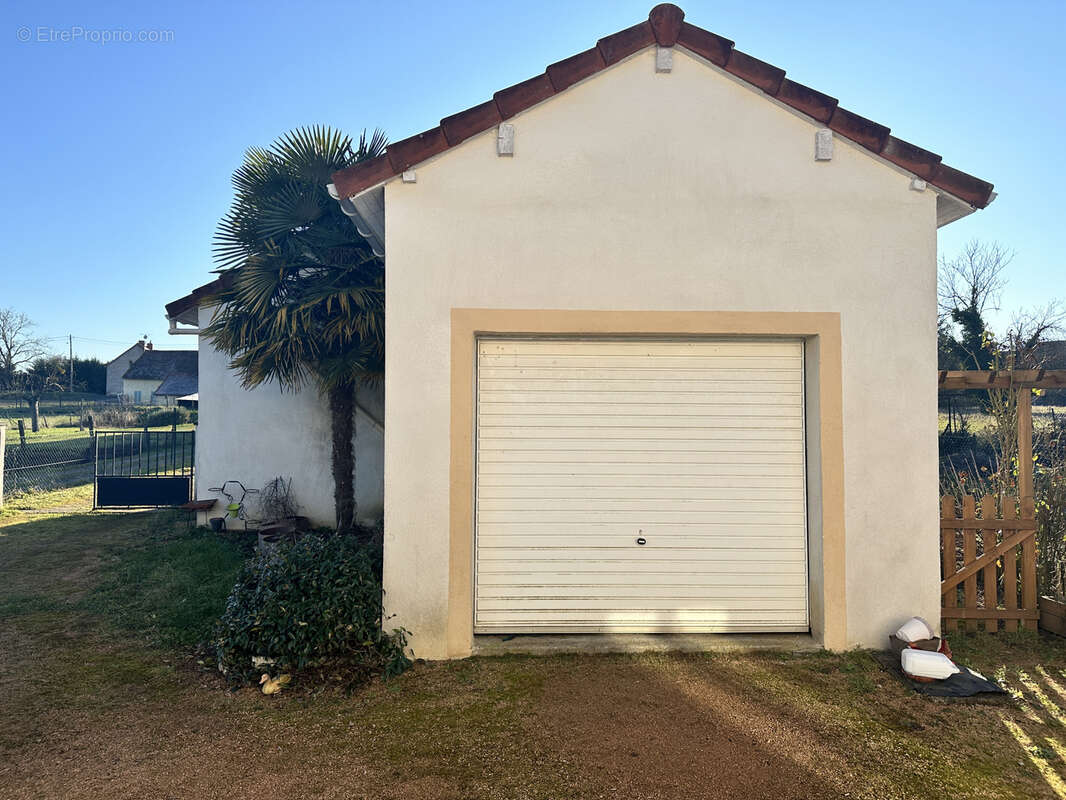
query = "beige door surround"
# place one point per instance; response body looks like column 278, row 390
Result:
column 821, row 331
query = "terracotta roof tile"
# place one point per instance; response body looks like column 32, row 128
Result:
column 415, row 149
column 864, row 131
column 665, row 26
column 465, row 124
column 811, row 102
column 921, row 162
column 973, row 190
column 356, row 178
column 758, row 73
column 711, row 46
column 625, row 43
column 517, row 98
column 193, row 298
column 564, row 74
column 665, row 20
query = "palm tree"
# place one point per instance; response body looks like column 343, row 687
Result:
column 303, row 297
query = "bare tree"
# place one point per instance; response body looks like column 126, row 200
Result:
column 974, row 278
column 18, row 346
column 968, row 286
column 1029, row 329
column 46, row 375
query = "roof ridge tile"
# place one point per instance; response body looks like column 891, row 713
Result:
column 666, row 27
column 666, row 19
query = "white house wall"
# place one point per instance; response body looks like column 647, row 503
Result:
column 677, row 191
column 256, row 435
column 117, row 368
column 145, row 387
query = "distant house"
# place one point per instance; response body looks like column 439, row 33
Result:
column 117, row 367
column 1052, row 355
column 160, row 377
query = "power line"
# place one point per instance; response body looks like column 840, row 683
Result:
column 116, row 341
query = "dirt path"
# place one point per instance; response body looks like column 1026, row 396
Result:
column 94, row 704
column 652, row 727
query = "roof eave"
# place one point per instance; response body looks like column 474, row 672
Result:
column 665, row 27
column 367, row 212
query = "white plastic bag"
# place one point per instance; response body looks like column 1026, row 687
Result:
column 915, row 630
column 925, row 664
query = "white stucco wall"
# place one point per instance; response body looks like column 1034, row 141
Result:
column 680, row 191
column 256, row 435
column 118, row 366
column 145, row 387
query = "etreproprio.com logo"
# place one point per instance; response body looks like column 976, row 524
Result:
column 47, row 34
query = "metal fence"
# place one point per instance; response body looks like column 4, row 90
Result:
column 48, row 465
column 43, row 466
column 143, row 468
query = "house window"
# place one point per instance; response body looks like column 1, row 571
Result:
column 137, row 396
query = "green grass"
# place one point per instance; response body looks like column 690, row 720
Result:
column 169, row 590
column 62, row 434
column 980, row 423
column 147, row 575
column 76, row 498
column 102, row 696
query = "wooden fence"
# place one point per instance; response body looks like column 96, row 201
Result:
column 989, row 564
column 989, row 561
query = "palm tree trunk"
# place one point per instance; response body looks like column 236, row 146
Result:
column 342, row 422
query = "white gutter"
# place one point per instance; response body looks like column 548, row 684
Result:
column 176, row 331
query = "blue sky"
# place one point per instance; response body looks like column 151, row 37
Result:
column 117, row 156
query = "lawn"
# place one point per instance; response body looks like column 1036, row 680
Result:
column 64, row 433
column 978, row 422
column 103, row 696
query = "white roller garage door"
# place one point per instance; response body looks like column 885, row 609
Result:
column 640, row 485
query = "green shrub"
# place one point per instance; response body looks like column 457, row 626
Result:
column 158, row 417
column 310, row 604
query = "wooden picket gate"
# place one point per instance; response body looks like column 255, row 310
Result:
column 989, row 565
column 989, row 560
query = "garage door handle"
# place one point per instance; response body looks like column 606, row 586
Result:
column 641, row 540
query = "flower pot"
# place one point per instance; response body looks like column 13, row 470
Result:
column 270, row 536
column 218, row 524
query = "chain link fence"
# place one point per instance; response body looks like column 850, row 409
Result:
column 47, row 465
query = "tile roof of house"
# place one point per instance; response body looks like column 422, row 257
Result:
column 160, row 364
column 665, row 27
column 178, row 385
column 192, row 300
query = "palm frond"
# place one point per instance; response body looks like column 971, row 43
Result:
column 306, row 299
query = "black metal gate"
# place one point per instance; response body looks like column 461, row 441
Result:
column 143, row 468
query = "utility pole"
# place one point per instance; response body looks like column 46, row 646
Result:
column 70, row 340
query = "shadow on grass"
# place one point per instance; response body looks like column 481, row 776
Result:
column 1032, row 667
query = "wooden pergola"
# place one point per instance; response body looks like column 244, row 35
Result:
column 996, row 569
